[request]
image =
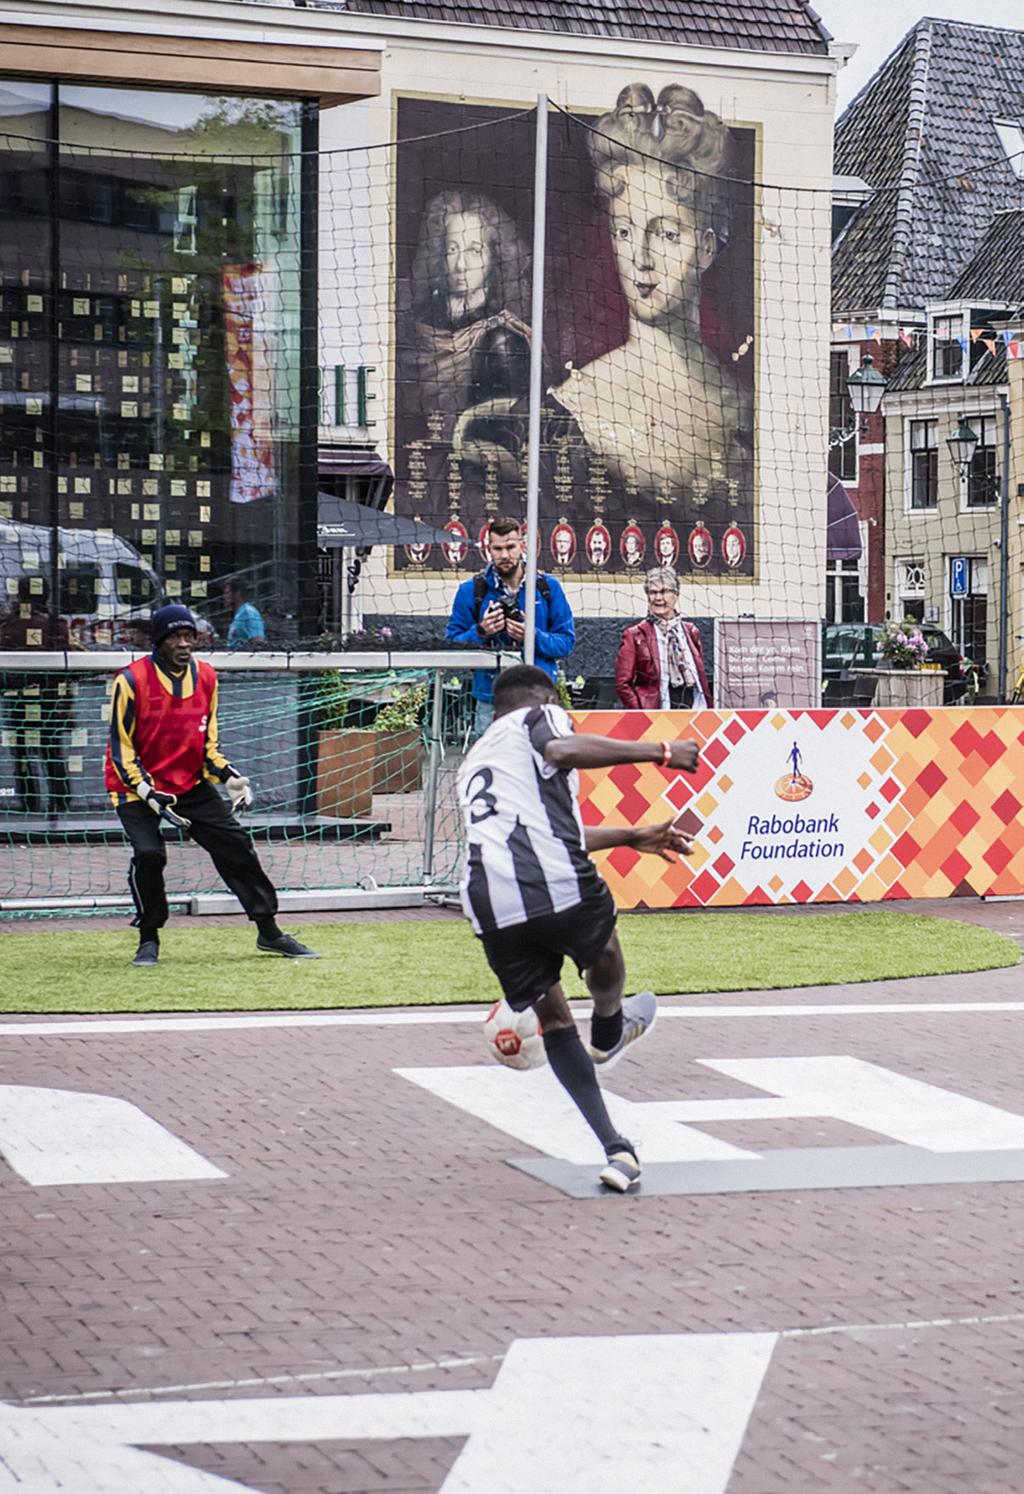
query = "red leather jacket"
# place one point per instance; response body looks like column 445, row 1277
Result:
column 638, row 666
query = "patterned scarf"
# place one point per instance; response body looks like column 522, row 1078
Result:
column 677, row 652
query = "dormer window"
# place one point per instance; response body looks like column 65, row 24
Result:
column 948, row 342
column 1011, row 138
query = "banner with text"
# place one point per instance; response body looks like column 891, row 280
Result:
column 819, row 806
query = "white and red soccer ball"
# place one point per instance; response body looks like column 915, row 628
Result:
column 514, row 1038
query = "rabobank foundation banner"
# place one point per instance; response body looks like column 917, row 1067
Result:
column 819, row 806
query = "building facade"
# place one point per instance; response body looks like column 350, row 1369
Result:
column 929, row 153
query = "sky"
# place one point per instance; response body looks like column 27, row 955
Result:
column 878, row 26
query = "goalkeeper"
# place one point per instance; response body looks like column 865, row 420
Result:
column 162, row 759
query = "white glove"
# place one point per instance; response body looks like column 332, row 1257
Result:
column 239, row 792
column 162, row 805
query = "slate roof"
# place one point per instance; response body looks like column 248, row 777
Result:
column 996, row 273
column 751, row 25
column 911, row 370
column 921, row 133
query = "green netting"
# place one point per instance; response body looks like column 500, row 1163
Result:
column 347, row 790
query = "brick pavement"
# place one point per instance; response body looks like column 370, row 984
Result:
column 366, row 1225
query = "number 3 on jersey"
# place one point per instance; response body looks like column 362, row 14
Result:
column 478, row 793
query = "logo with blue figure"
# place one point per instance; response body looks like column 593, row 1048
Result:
column 794, row 785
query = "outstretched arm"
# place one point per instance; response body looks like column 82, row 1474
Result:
column 666, row 840
column 587, row 751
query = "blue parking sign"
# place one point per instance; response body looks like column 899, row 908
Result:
column 958, row 586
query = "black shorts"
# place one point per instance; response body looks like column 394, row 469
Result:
column 527, row 957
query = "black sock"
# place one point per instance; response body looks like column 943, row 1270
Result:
column 573, row 1068
column 605, row 1031
column 149, row 936
column 268, row 928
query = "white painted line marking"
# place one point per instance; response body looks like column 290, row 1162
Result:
column 370, row 1372
column 649, row 1414
column 911, row 1325
column 878, row 1099
column 58, row 1136
column 569, row 1402
column 404, row 1017
column 535, row 1110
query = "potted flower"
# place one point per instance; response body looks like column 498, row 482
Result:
column 902, row 645
column 344, row 768
column 398, row 748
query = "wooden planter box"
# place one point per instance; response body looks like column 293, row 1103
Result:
column 398, row 762
column 907, row 688
column 344, row 774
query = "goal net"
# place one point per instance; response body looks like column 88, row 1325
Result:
column 285, row 381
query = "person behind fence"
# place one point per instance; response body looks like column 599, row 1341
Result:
column 535, row 898
column 488, row 612
column 163, row 758
column 40, row 707
column 660, row 664
column 246, row 630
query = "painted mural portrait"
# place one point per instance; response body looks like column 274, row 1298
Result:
column 648, row 418
column 659, row 410
column 470, row 294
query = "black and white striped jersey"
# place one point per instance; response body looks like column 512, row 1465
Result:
column 525, row 846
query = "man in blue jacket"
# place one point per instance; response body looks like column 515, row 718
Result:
column 488, row 612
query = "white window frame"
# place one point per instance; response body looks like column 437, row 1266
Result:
column 1011, row 138
column 902, row 589
column 908, row 466
column 964, row 479
column 854, row 352
column 949, row 311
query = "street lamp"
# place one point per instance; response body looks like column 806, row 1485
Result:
column 865, row 388
column 963, row 443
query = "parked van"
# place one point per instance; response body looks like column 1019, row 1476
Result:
column 106, row 590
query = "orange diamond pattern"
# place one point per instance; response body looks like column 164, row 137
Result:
column 948, row 812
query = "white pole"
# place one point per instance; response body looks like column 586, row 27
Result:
column 540, row 190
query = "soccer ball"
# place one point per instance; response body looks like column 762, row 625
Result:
column 513, row 1038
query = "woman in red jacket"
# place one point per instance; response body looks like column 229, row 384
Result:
column 660, row 665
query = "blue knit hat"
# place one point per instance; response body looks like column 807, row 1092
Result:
column 169, row 619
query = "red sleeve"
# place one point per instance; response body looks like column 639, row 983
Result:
column 625, row 669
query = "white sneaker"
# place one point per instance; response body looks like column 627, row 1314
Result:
column 638, row 1017
column 621, row 1172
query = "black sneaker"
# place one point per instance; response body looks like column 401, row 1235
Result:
column 638, row 1017
column 148, row 953
column 284, row 944
column 621, row 1172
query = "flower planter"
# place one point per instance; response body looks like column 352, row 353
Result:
column 344, row 774
column 398, row 761
column 906, row 688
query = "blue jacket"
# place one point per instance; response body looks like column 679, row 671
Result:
column 556, row 631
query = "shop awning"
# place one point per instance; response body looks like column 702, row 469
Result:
column 342, row 524
column 843, row 541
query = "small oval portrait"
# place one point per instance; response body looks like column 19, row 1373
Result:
column 598, row 546
column 455, row 552
column 666, row 545
column 632, row 545
column 734, row 547
column 563, row 544
column 701, row 547
column 417, row 554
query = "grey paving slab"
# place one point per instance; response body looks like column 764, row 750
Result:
column 789, row 1170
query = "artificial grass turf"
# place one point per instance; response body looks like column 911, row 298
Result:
column 401, row 964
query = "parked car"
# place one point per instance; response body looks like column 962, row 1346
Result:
column 849, row 646
column 107, row 590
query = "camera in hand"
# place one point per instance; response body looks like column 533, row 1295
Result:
column 511, row 609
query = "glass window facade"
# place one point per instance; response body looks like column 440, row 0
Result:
column 151, row 273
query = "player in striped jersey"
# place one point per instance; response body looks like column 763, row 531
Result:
column 163, row 757
column 534, row 896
